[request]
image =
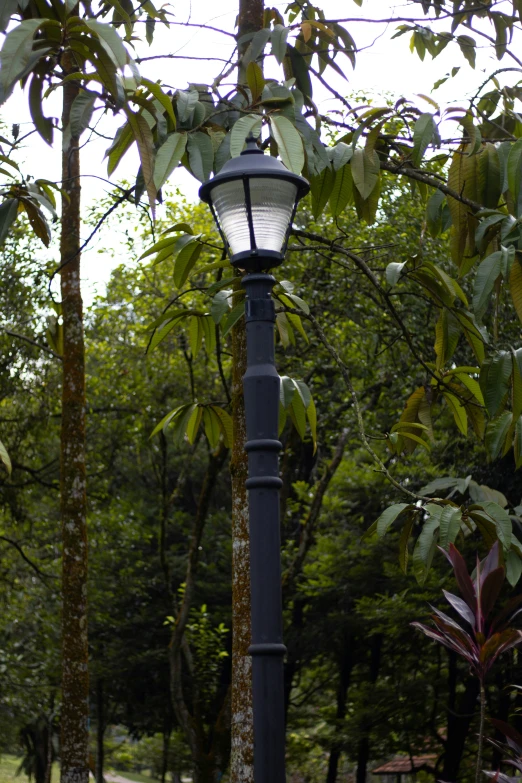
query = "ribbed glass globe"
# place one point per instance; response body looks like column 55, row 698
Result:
column 272, row 202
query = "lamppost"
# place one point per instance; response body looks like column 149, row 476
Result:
column 253, row 200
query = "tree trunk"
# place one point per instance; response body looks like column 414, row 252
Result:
column 363, row 751
column 250, row 19
column 165, row 753
column 345, row 673
column 460, row 715
column 75, row 682
column 100, row 730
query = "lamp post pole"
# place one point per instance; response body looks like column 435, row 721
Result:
column 253, row 200
column 261, row 389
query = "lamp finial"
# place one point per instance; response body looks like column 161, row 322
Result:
column 251, row 145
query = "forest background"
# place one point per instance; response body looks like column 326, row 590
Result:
column 399, row 347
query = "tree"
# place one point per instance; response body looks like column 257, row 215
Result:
column 201, row 128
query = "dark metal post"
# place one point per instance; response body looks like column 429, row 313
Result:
column 261, row 387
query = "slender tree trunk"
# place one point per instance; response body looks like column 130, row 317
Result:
column 250, row 19
column 478, row 769
column 100, row 730
column 363, row 751
column 75, row 683
column 165, row 754
column 460, row 715
column 345, row 673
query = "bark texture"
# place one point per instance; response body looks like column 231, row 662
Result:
column 242, row 739
column 75, row 682
column 250, row 19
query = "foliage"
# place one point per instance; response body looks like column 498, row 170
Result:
column 490, row 637
column 512, row 748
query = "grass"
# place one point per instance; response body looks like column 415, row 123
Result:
column 10, row 764
column 134, row 776
column 8, row 768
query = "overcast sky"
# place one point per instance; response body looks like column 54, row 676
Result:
column 383, row 66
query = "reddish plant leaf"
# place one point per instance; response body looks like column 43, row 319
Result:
column 491, row 588
column 461, row 607
column 464, row 582
column 490, row 562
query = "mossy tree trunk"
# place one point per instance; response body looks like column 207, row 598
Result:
column 250, row 19
column 75, row 683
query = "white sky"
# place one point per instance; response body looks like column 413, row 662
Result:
column 383, row 66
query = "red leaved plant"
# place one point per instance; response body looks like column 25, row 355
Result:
column 512, row 748
column 488, row 637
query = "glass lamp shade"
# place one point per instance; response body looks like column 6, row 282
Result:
column 253, row 200
column 272, row 205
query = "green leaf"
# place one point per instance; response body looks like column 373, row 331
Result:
column 163, row 330
column 365, row 171
column 143, row 136
column 475, row 137
column 17, row 55
column 388, row 517
column 450, row 521
column 255, row 80
column 186, row 103
column 467, row 47
column 257, row 45
column 470, row 383
column 195, row 335
column 5, row 459
column 250, row 123
column 166, row 101
column 514, row 175
column 393, row 272
column 515, row 284
column 81, row 112
column 226, row 425
column 496, row 432
column 425, row 548
column 212, row 424
column 44, row 125
column 122, row 141
column 517, row 446
column 342, row 154
column 423, row 133
column 321, row 188
column 168, row 156
column 297, row 413
column 193, row 423
column 285, row 330
column 220, row 305
column 342, row 192
column 232, row 318
column 494, row 380
column 434, row 213
column 289, row 143
column 403, row 542
column 459, row 412
column 502, row 522
column 286, row 390
column 186, row 260
column 8, row 213
column 279, row 38
column 487, row 275
column 311, row 414
column 201, row 155
column 513, row 567
column 110, row 40
column 166, row 420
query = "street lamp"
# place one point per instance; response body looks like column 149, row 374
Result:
column 253, row 200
